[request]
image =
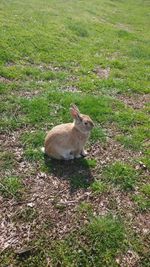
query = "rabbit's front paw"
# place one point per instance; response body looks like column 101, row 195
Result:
column 84, row 153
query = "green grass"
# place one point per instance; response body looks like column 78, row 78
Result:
column 85, row 207
column 146, row 161
column 96, row 245
column 99, row 187
column 32, row 143
column 79, row 181
column 7, row 160
column 146, row 189
column 49, row 53
column 98, row 135
column 90, row 162
column 136, row 137
column 11, row 187
column 34, row 139
column 32, row 154
column 122, row 175
column 142, row 202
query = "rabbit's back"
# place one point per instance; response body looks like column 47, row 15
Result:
column 59, row 133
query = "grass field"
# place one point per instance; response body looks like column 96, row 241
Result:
column 92, row 212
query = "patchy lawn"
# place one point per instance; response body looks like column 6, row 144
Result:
column 94, row 211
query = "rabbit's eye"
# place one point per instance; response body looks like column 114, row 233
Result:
column 85, row 123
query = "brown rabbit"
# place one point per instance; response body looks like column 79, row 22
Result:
column 66, row 141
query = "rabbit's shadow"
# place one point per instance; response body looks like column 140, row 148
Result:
column 77, row 172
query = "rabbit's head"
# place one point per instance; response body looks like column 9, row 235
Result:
column 82, row 122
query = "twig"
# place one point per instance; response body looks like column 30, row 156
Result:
column 29, row 233
column 25, row 250
column 67, row 202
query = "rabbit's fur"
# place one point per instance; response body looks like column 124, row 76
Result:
column 66, row 141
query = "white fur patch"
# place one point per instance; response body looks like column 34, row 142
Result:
column 66, row 155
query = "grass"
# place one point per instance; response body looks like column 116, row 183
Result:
column 34, row 139
column 53, row 53
column 85, row 207
column 26, row 215
column 90, row 162
column 11, row 187
column 136, row 137
column 146, row 189
column 33, row 154
column 98, row 135
column 146, row 161
column 79, row 181
column 122, row 175
column 7, row 160
column 99, row 187
column 142, row 198
column 32, row 143
column 142, row 202
column 96, row 245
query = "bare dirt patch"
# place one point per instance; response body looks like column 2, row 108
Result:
column 142, row 224
column 26, row 94
column 135, row 101
column 102, row 73
column 130, row 258
column 124, row 27
column 42, row 66
column 10, row 143
column 71, row 88
column 4, row 80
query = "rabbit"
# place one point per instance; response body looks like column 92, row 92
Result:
column 66, row 141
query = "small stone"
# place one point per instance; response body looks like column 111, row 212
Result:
column 31, row 204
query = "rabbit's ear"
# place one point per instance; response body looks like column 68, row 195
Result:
column 74, row 107
column 74, row 112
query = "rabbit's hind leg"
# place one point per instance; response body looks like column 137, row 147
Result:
column 78, row 156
